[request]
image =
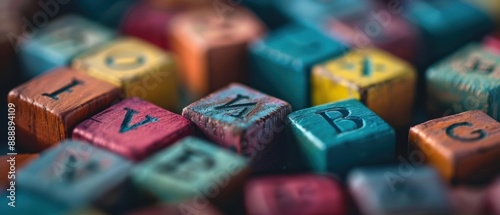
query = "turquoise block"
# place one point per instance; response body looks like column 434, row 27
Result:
column 403, row 189
column 74, row 173
column 268, row 12
column 281, row 62
column 30, row 203
column 56, row 44
column 107, row 12
column 446, row 25
column 191, row 168
column 338, row 136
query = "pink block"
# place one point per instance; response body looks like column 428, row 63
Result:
column 492, row 42
column 493, row 198
column 467, row 200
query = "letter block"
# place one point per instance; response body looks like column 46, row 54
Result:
column 138, row 68
column 49, row 106
column 191, row 168
column 464, row 147
column 281, row 62
column 74, row 173
column 134, row 128
column 57, row 43
column 467, row 80
column 492, row 42
column 295, row 195
column 244, row 120
column 211, row 47
column 383, row 82
column 338, row 136
column 393, row 190
column 19, row 160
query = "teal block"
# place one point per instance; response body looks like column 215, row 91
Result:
column 403, row 189
column 267, row 12
column 57, row 43
column 191, row 168
column 74, row 174
column 281, row 62
column 338, row 136
column 30, row 203
column 467, row 80
column 106, row 12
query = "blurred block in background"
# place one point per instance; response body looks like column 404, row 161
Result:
column 19, row 160
column 107, row 12
column 493, row 198
column 468, row 200
column 492, row 42
column 266, row 10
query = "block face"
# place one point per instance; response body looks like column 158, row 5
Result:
column 287, row 55
column 62, row 39
column 295, row 194
column 191, row 167
column 138, row 68
column 467, row 80
column 463, row 147
column 74, row 173
column 388, row 191
column 134, row 128
column 211, row 50
column 384, row 83
column 49, row 106
column 338, row 136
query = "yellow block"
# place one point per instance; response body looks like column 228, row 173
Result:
column 383, row 82
column 138, row 68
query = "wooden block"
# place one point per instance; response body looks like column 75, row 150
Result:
column 57, row 43
column 467, row 80
column 49, row 106
column 493, row 198
column 287, row 55
column 244, row 120
column 19, row 162
column 295, row 194
column 138, row 68
column 191, row 168
column 134, row 128
column 178, row 209
column 211, row 48
column 381, row 81
column 468, row 200
column 463, row 147
column 74, row 173
column 338, row 136
column 391, row 190
column 492, row 42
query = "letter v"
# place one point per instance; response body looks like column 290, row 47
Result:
column 128, row 118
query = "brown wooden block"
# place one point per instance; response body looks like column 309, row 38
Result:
column 49, row 106
column 212, row 47
column 18, row 161
column 464, row 147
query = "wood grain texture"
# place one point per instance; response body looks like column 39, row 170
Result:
column 20, row 161
column 134, row 128
column 464, row 147
column 42, row 121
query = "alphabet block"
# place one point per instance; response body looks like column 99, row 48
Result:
column 57, row 43
column 19, row 162
column 49, row 106
column 244, row 120
column 381, row 81
column 467, row 80
column 287, row 56
column 338, row 136
column 134, row 128
column 212, row 48
column 463, row 147
column 295, row 195
column 191, row 168
column 138, row 68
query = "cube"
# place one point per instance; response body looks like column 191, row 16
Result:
column 211, row 47
column 468, row 200
column 134, row 129
column 295, row 194
column 463, row 147
column 191, row 168
column 381, row 81
column 287, row 56
column 338, row 136
column 74, row 173
column 493, row 198
column 388, row 190
column 49, row 106
column 60, row 41
column 18, row 161
column 138, row 68
column 467, row 80
column 244, row 120
column 492, row 42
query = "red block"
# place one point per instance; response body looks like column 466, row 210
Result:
column 492, row 42
column 295, row 194
column 134, row 128
column 493, row 198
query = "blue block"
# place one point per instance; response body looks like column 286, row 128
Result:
column 56, row 44
column 338, row 136
column 74, row 173
column 281, row 62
